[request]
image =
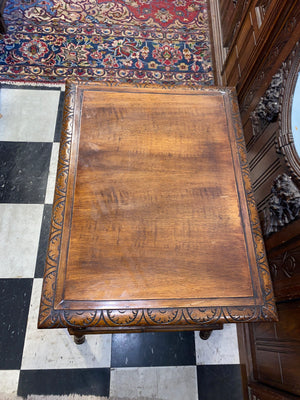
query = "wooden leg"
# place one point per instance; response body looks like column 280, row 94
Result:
column 204, row 335
column 79, row 339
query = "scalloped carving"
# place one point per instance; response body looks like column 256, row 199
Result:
column 123, row 317
column 204, row 315
column 237, row 314
column 163, row 316
column 79, row 318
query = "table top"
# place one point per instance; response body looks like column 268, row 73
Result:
column 154, row 223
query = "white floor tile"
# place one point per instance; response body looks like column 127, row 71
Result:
column 55, row 348
column 20, row 226
column 220, row 348
column 52, row 174
column 28, row 115
column 9, row 381
column 159, row 383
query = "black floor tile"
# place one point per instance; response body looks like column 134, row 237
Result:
column 59, row 117
column 24, row 171
column 153, row 349
column 43, row 242
column 14, row 306
column 94, row 382
column 219, row 382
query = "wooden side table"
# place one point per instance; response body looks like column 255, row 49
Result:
column 154, row 225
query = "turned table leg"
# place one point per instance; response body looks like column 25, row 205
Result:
column 79, row 339
column 204, row 335
column 79, row 335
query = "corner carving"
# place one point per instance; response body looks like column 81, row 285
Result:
column 267, row 110
column 283, row 206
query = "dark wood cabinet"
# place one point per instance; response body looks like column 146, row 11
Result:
column 251, row 40
column 256, row 49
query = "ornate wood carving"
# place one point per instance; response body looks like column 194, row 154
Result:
column 143, row 319
column 285, row 265
column 285, row 271
column 285, row 141
column 267, row 109
column 272, row 369
column 283, row 205
column 273, row 55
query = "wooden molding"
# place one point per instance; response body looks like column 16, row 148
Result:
column 246, row 358
column 285, row 141
column 218, row 51
column 258, row 391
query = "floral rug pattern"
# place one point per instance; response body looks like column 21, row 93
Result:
column 147, row 41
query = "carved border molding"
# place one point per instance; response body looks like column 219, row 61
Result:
column 285, row 141
column 179, row 318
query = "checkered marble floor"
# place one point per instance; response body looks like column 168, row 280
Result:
column 169, row 366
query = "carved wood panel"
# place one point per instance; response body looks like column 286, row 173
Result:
column 270, row 353
column 231, row 12
column 266, row 34
column 284, row 257
column 261, row 392
column 277, row 348
column 273, row 54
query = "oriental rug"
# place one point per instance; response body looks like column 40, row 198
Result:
column 147, row 41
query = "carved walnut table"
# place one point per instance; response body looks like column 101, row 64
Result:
column 154, row 225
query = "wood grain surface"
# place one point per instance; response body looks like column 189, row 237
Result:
column 156, row 207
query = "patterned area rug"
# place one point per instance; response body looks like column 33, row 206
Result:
column 148, row 41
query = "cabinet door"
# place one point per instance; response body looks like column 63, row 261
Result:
column 277, row 349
